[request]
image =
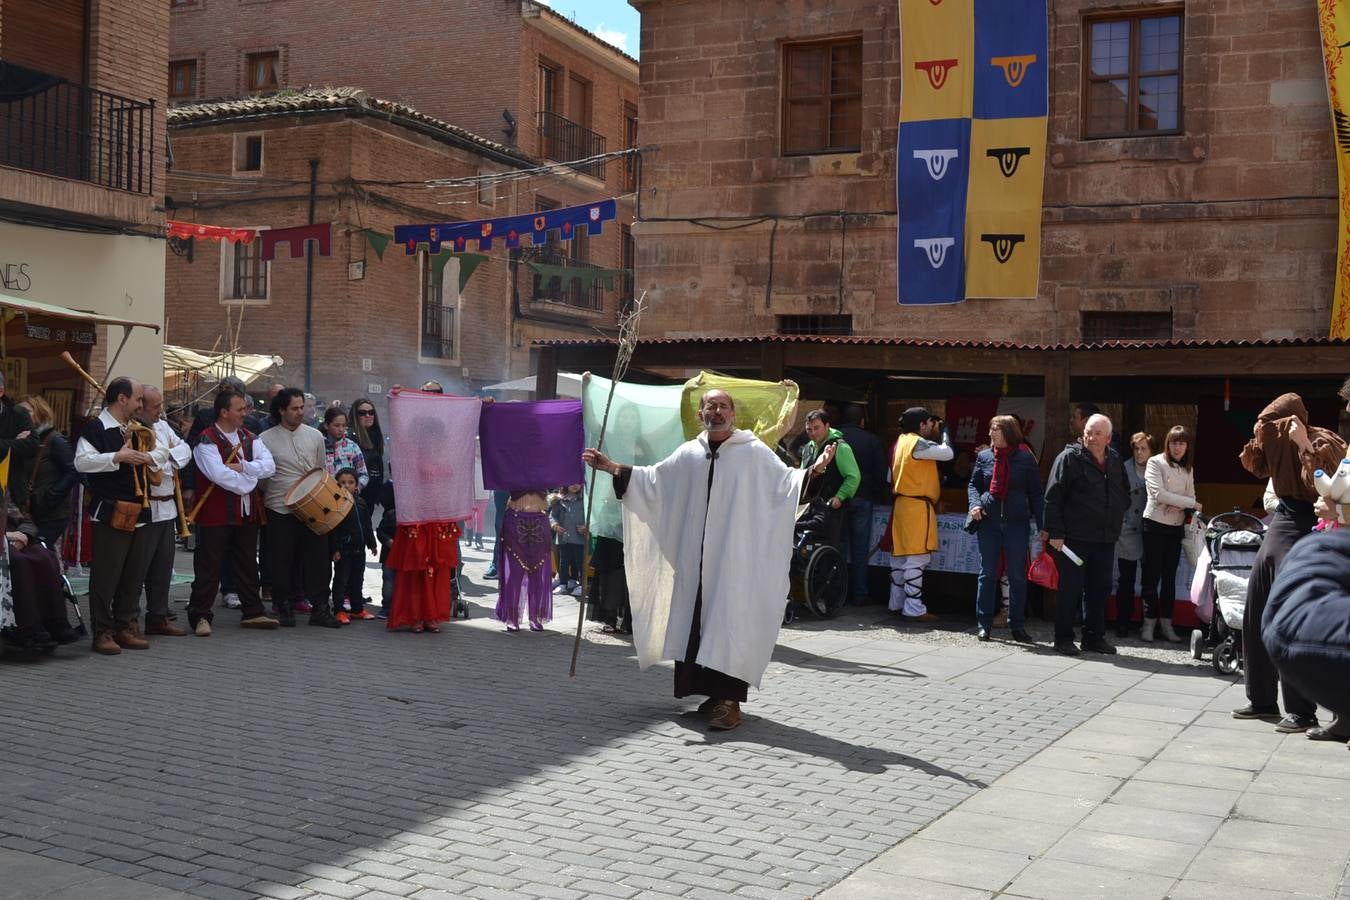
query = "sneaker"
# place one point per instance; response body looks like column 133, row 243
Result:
column 1251, row 711
column 557, row 583
column 364, row 615
column 491, row 572
column 343, row 617
column 346, row 604
column 576, row 591
column 383, row 613
column 1066, row 648
column 1293, row 724
column 232, row 601
column 303, row 606
column 203, row 629
column 1095, row 643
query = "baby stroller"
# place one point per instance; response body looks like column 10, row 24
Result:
column 819, row 578
column 1232, row 541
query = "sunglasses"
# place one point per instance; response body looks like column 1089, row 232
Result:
column 366, row 412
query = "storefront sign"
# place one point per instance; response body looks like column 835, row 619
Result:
column 60, row 335
column 15, row 277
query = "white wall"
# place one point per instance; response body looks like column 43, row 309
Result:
column 115, row 275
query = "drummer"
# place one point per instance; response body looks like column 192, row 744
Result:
column 297, row 449
column 230, row 462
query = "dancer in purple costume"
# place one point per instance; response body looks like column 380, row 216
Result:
column 526, row 566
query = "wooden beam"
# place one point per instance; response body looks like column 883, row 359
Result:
column 1214, row 362
column 938, row 360
column 546, row 374
column 771, row 361
column 1056, row 426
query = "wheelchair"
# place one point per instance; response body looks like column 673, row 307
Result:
column 9, row 643
column 818, row 573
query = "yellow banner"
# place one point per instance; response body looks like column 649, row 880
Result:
column 1003, row 207
column 1335, row 20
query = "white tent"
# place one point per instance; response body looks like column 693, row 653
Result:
column 569, row 385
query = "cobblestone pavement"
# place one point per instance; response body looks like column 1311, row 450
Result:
column 357, row 763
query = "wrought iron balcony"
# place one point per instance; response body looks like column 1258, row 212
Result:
column 438, row 331
column 567, row 292
column 563, row 140
column 56, row 127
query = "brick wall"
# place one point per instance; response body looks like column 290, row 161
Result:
column 374, row 318
column 1234, row 215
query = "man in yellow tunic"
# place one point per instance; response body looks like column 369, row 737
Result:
column 916, row 486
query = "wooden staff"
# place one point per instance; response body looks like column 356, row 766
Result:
column 183, row 530
column 197, row 507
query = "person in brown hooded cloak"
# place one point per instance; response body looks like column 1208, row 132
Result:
column 1287, row 450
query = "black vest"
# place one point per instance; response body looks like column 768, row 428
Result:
column 107, row 487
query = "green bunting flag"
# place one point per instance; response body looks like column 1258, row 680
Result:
column 467, row 263
column 378, row 242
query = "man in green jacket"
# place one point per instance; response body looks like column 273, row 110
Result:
column 841, row 479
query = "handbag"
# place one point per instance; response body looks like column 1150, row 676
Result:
column 1193, row 540
column 126, row 513
column 1043, row 571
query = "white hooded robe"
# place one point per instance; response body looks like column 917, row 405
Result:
column 735, row 540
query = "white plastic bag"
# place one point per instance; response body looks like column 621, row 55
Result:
column 1193, row 540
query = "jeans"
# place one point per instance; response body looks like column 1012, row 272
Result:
column 997, row 539
column 570, row 559
column 859, row 517
column 1162, row 555
column 1085, row 587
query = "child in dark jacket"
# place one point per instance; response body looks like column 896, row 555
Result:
column 348, row 543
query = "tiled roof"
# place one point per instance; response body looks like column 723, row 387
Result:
column 323, row 99
column 553, row 14
column 858, row 339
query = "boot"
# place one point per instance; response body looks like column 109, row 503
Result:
column 1146, row 630
column 1165, row 629
column 129, row 638
column 104, row 644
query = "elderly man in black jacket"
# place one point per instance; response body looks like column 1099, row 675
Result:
column 1306, row 625
column 1085, row 502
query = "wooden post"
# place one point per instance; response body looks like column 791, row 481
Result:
column 546, row 374
column 771, row 361
column 1056, row 427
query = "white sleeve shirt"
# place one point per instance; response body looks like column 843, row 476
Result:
column 171, row 453
column 90, row 461
column 208, row 460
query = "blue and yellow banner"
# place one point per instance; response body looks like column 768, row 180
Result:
column 970, row 166
column 1334, row 17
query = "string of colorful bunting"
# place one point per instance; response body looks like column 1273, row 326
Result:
column 536, row 226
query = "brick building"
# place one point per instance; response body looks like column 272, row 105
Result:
column 538, row 90
column 1190, row 191
column 81, row 193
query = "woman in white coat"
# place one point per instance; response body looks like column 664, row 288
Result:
column 1170, row 482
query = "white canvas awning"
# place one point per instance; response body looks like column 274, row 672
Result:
column 180, row 362
column 569, row 385
column 37, row 308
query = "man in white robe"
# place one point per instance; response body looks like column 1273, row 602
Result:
column 707, row 548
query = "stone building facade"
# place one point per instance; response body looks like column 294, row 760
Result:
column 521, row 76
column 1217, row 224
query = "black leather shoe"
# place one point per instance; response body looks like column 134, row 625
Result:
column 1022, row 637
column 1292, row 724
column 1097, row 644
column 1066, row 648
column 323, row 619
column 1326, row 734
column 1257, row 712
column 286, row 616
column 982, row 634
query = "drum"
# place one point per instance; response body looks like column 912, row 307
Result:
column 319, row 501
